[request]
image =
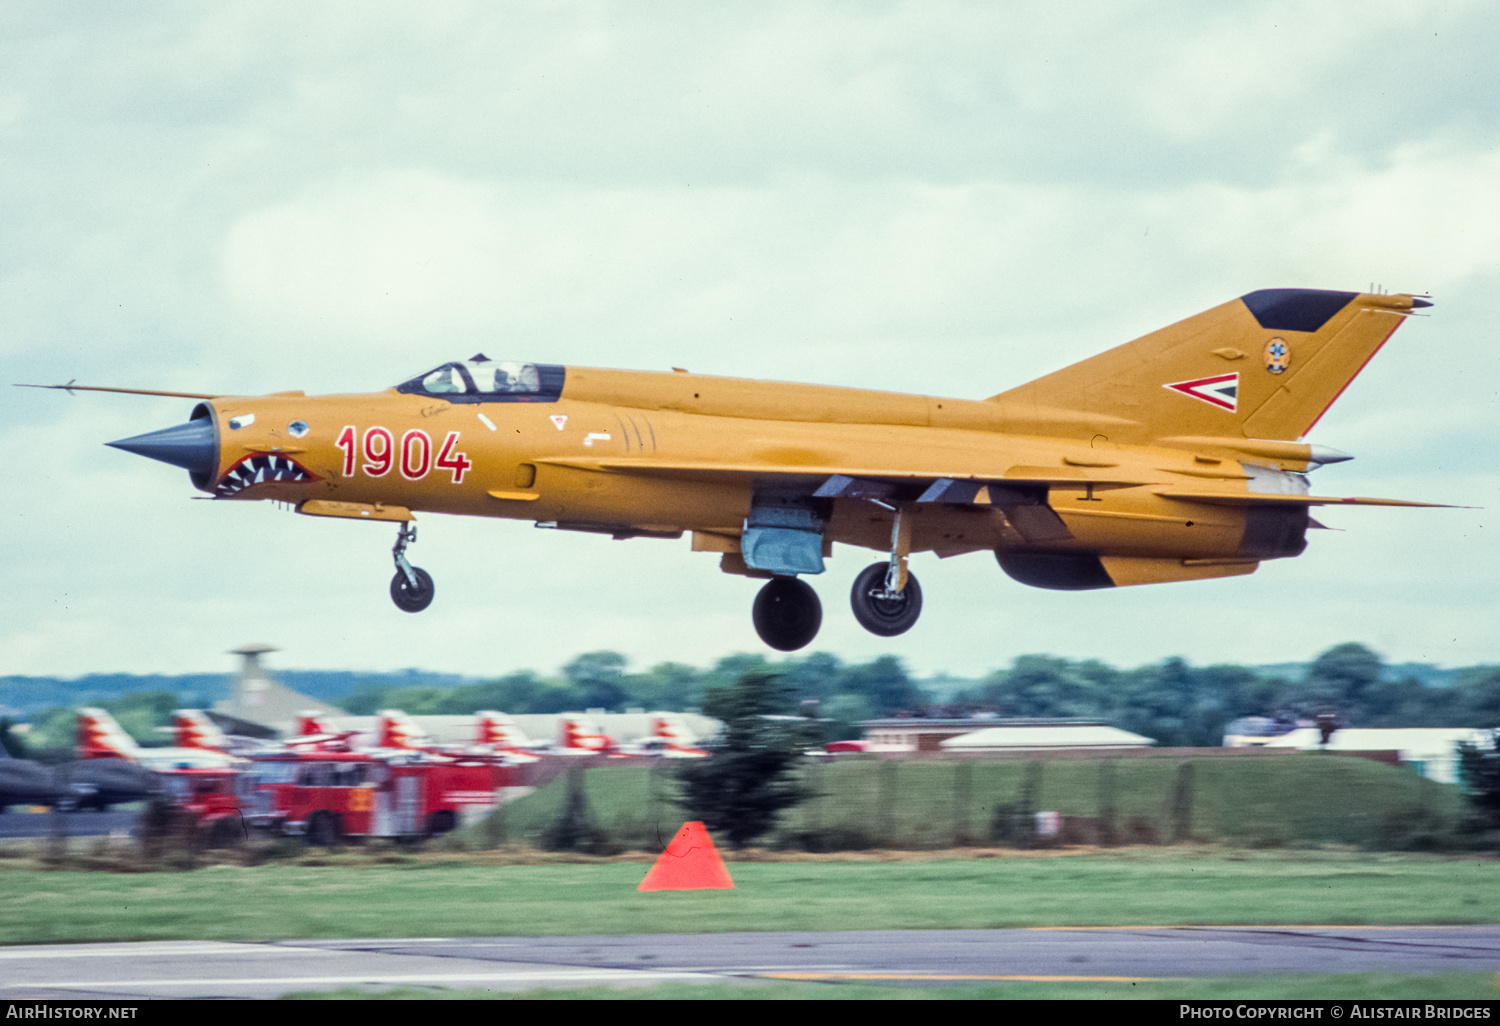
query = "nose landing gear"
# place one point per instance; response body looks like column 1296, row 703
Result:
column 412, row 588
column 787, row 614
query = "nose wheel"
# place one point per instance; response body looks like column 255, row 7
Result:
column 787, row 614
column 412, row 598
column 881, row 610
column 412, row 588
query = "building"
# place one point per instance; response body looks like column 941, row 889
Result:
column 259, row 700
column 992, row 734
column 1430, row 751
column 917, row 734
column 1047, row 735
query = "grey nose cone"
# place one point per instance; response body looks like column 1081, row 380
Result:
column 193, row 446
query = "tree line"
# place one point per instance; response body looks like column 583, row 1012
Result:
column 1173, row 702
column 1178, row 704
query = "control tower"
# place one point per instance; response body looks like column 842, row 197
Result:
column 259, row 699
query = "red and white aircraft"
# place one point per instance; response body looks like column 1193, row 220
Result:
column 316, row 734
column 101, row 737
column 671, row 739
column 580, row 735
column 497, row 732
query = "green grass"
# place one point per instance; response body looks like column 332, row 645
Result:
column 1286, row 987
column 429, row 897
column 930, row 804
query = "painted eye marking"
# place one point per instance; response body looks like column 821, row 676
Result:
column 242, row 421
column 259, row 468
column 297, row 428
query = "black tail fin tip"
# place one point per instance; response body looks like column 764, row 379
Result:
column 1297, row 309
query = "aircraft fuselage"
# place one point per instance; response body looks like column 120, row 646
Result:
column 683, row 456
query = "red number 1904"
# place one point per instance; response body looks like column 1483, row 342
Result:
column 413, row 456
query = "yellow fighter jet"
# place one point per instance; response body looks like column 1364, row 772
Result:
column 1171, row 458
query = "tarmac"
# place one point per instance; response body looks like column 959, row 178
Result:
column 74, row 824
column 215, row 969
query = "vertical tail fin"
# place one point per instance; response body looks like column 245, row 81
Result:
column 311, row 723
column 581, row 734
column 1266, row 365
column 680, row 740
column 398, row 730
column 499, row 730
column 100, row 737
column 316, row 733
column 193, row 729
column 671, row 727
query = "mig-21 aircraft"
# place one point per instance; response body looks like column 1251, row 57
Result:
column 1174, row 457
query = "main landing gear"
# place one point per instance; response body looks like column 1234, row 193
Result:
column 886, row 598
column 787, row 614
column 412, row 588
column 878, row 607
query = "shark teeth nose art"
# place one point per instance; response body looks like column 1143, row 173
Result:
column 260, row 468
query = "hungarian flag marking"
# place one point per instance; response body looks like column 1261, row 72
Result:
column 1221, row 390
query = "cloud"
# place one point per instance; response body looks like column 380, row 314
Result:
column 995, row 276
column 951, row 200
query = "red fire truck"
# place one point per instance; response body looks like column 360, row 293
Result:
column 329, row 795
column 213, row 797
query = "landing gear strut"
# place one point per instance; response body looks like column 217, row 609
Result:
column 880, row 610
column 412, row 588
column 886, row 596
column 787, row 614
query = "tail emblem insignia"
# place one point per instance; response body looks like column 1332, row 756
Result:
column 1278, row 356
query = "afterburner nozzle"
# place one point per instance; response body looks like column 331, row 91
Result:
column 193, row 446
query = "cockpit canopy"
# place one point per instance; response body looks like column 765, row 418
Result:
column 482, row 380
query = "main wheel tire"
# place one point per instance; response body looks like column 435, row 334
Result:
column 440, row 822
column 787, row 614
column 409, row 599
column 886, row 617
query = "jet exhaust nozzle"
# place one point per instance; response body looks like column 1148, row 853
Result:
column 193, row 446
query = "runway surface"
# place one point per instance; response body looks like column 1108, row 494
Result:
column 75, row 824
column 210, row 969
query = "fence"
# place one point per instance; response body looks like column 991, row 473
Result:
column 865, row 803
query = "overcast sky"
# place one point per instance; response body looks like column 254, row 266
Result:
column 950, row 198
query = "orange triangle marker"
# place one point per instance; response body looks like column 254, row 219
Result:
column 690, row 863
